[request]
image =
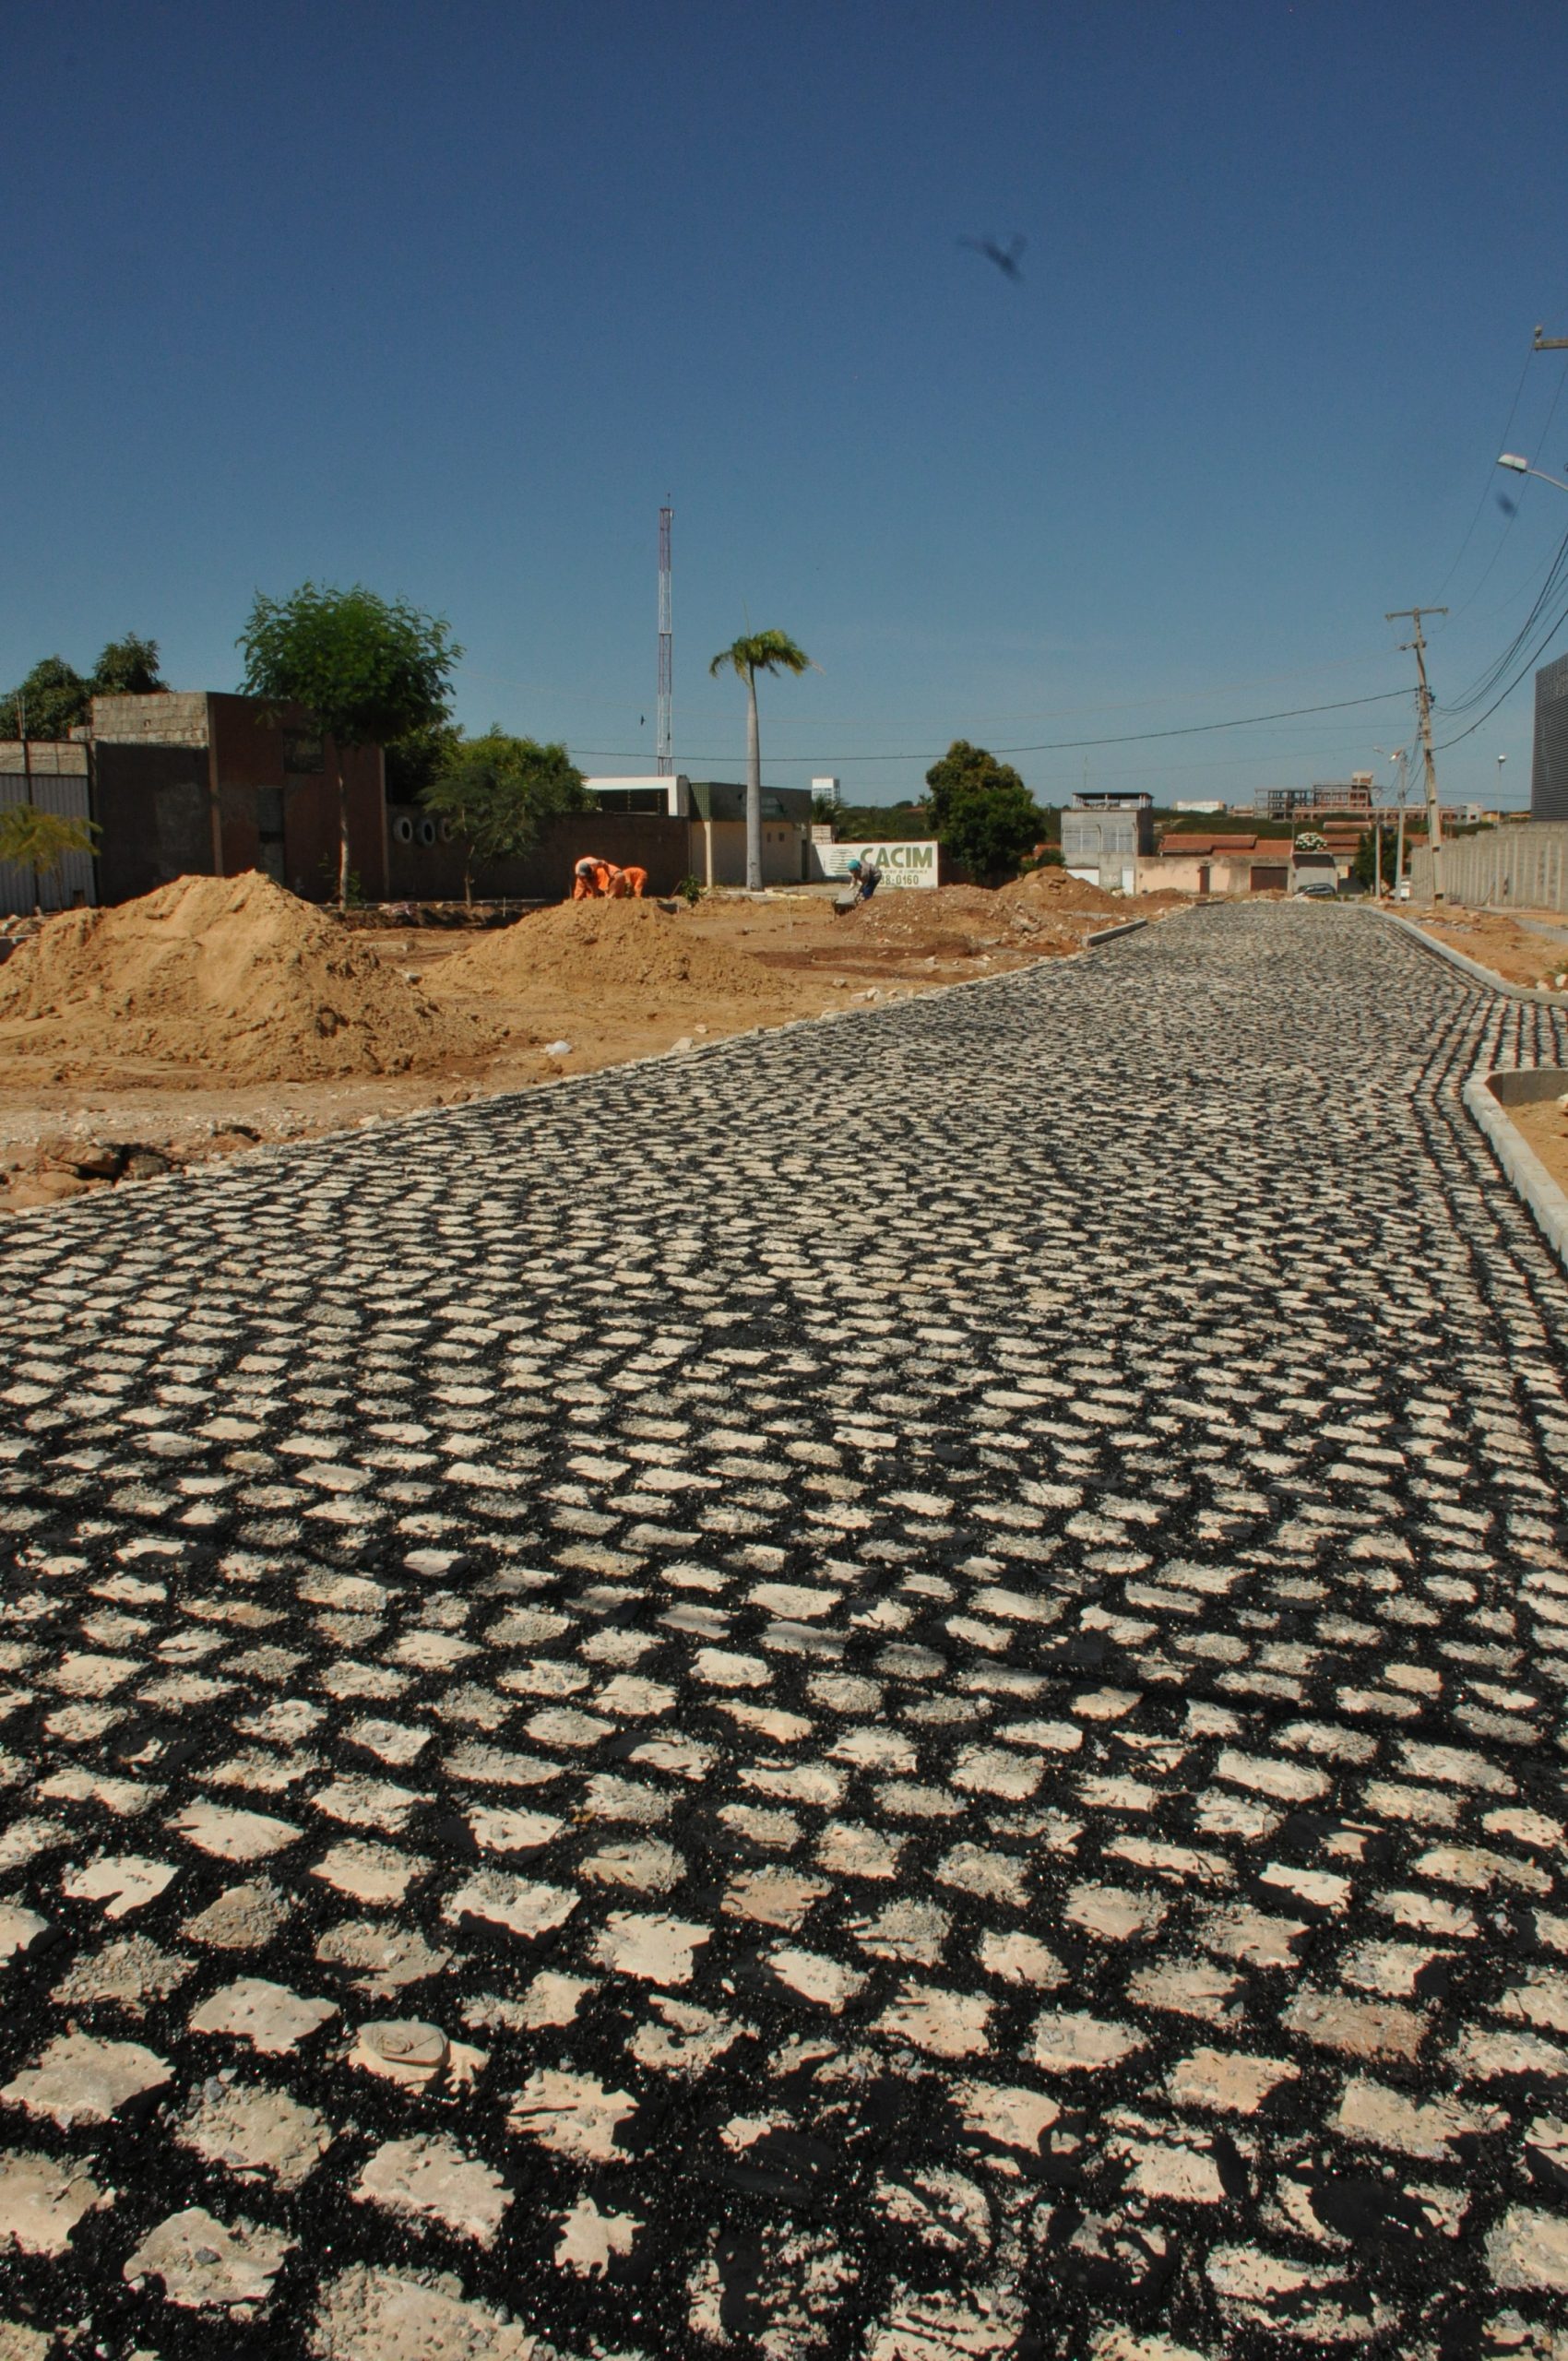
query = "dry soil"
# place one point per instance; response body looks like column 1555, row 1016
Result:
column 219, row 1012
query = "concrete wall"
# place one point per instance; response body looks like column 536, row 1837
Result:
column 1522, row 866
column 719, row 853
column 153, row 805
column 255, row 757
column 434, row 872
column 165, row 718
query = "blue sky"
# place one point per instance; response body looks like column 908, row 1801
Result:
column 447, row 299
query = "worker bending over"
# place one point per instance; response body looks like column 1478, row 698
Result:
column 594, row 880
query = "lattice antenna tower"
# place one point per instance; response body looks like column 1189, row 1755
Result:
column 664, row 712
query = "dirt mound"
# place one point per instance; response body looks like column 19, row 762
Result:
column 1057, row 889
column 232, row 975
column 582, row 947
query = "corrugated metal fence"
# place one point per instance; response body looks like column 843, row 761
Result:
column 1521, row 866
column 59, row 785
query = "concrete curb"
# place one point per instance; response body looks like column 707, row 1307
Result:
column 1110, row 933
column 1528, row 1175
column 1472, row 967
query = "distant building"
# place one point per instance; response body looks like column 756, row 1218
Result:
column 714, row 811
column 201, row 783
column 1225, row 862
column 1354, row 794
column 1104, row 835
column 1549, row 760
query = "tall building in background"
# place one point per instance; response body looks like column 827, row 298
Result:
column 1549, row 760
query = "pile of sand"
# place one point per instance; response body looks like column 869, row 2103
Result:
column 1049, row 890
column 579, row 948
column 230, row 976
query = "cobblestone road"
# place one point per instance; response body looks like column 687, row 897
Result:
column 897, row 1692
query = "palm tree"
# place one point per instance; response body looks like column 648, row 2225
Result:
column 758, row 651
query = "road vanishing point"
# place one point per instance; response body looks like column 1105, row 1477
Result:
column 893, row 1691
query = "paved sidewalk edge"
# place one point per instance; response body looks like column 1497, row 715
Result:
column 1529, row 1176
column 1110, row 933
column 1471, row 968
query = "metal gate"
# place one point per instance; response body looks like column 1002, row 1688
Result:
column 59, row 785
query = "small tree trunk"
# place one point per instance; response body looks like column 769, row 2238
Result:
column 342, row 835
column 753, row 789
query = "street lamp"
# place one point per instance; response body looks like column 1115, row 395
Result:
column 1501, row 760
column 1512, row 460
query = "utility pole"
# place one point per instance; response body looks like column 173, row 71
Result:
column 1424, row 698
column 664, row 731
column 1399, row 854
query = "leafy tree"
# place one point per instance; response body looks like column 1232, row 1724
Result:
column 1364, row 867
column 55, row 699
column 40, row 840
column 416, row 760
column 981, row 810
column 367, row 670
column 127, row 667
column 497, row 790
column 52, row 701
column 758, row 651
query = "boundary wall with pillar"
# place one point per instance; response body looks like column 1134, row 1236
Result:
column 1522, row 866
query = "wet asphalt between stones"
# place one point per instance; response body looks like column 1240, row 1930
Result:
column 893, row 1691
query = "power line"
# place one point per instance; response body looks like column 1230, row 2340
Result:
column 1060, row 745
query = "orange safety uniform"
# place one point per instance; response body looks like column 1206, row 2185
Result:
column 593, row 879
column 629, row 883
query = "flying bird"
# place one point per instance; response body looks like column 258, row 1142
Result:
column 1004, row 258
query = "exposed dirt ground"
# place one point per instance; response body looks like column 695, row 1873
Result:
column 171, row 1043
column 1529, row 948
column 1544, row 1127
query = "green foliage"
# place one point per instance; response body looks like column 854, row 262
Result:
column 691, row 889
column 367, row 669
column 127, row 667
column 981, row 810
column 760, row 651
column 1364, row 867
column 880, row 824
column 497, row 790
column 415, row 761
column 40, row 840
column 54, row 700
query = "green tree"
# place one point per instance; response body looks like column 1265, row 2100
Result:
column 367, row 670
column 127, row 667
column 415, row 761
column 758, row 651
column 981, row 810
column 52, row 701
column 1364, row 867
column 40, row 840
column 496, row 790
column 55, row 698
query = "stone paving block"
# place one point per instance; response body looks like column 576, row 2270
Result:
column 639, row 1769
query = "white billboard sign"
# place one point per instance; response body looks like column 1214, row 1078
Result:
column 905, row 865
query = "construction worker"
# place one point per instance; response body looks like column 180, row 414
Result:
column 629, row 883
column 594, row 880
